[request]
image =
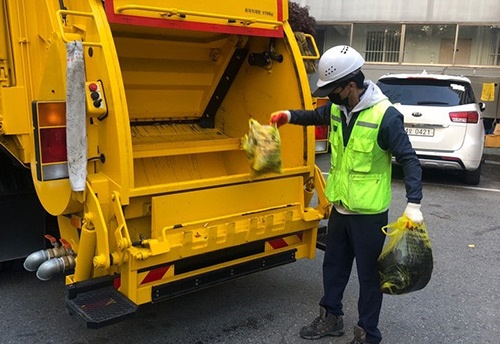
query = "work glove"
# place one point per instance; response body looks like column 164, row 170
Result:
column 413, row 213
column 280, row 118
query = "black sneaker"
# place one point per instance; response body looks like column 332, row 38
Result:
column 324, row 325
column 359, row 336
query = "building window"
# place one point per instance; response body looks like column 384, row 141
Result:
column 333, row 35
column 484, row 45
column 494, row 58
column 432, row 43
column 383, row 45
column 439, row 43
column 378, row 42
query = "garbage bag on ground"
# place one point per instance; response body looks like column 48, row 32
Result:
column 405, row 264
column 263, row 147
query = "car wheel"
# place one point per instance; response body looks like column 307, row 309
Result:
column 473, row 177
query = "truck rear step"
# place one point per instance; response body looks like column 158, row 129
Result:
column 98, row 302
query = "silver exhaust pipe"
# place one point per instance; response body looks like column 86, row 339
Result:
column 34, row 260
column 54, row 266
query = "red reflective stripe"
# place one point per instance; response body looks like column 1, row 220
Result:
column 155, row 274
column 117, row 283
column 277, row 243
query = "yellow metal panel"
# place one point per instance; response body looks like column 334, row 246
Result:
column 14, row 114
column 56, row 196
column 4, row 51
column 198, row 205
column 171, row 78
column 239, row 173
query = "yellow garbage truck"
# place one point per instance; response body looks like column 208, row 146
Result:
column 128, row 118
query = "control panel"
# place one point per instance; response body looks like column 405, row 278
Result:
column 96, row 101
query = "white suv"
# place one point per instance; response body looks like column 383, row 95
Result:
column 442, row 119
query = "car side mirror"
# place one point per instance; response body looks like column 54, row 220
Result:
column 482, row 106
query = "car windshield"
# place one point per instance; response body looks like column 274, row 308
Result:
column 430, row 92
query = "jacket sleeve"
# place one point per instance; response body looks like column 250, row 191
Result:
column 392, row 136
column 318, row 116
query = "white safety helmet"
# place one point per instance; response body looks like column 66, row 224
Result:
column 336, row 65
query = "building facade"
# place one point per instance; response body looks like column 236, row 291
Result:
column 459, row 37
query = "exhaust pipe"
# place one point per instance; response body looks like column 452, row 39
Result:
column 53, row 266
column 34, row 260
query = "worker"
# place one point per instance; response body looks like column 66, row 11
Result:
column 366, row 131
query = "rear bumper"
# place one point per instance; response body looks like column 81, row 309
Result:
column 449, row 163
column 190, row 284
column 440, row 163
column 444, row 162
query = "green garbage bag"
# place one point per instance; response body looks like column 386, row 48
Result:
column 262, row 145
column 405, row 264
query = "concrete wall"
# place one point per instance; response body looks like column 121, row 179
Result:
column 427, row 11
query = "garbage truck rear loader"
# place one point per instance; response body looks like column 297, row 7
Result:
column 129, row 115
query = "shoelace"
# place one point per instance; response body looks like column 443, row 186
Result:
column 318, row 321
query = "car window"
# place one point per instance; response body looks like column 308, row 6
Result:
column 430, row 92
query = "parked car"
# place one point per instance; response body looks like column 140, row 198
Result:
column 442, row 118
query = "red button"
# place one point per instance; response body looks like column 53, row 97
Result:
column 93, row 87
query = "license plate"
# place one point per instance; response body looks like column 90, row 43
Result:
column 420, row 131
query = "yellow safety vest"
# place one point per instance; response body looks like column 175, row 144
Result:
column 360, row 174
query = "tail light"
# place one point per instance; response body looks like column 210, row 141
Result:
column 50, row 140
column 321, row 132
column 321, row 135
column 464, row 117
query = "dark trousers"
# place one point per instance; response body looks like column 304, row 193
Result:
column 349, row 237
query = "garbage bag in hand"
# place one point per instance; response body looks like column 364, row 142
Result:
column 263, row 147
column 405, row 264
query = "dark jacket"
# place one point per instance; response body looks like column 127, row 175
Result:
column 392, row 136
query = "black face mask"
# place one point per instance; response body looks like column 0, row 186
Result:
column 336, row 99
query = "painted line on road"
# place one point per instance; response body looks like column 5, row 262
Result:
column 325, row 174
column 492, row 162
column 466, row 187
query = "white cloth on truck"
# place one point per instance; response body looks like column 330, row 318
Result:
column 76, row 129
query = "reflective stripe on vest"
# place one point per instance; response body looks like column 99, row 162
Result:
column 360, row 174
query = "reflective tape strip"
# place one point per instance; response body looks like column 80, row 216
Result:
column 155, row 274
column 336, row 118
column 277, row 243
column 367, row 124
column 286, row 241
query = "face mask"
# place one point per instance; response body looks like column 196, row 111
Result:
column 336, row 99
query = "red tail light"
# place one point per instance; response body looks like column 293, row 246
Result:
column 53, row 144
column 321, row 132
column 464, row 117
column 50, row 140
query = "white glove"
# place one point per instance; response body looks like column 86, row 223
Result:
column 413, row 213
